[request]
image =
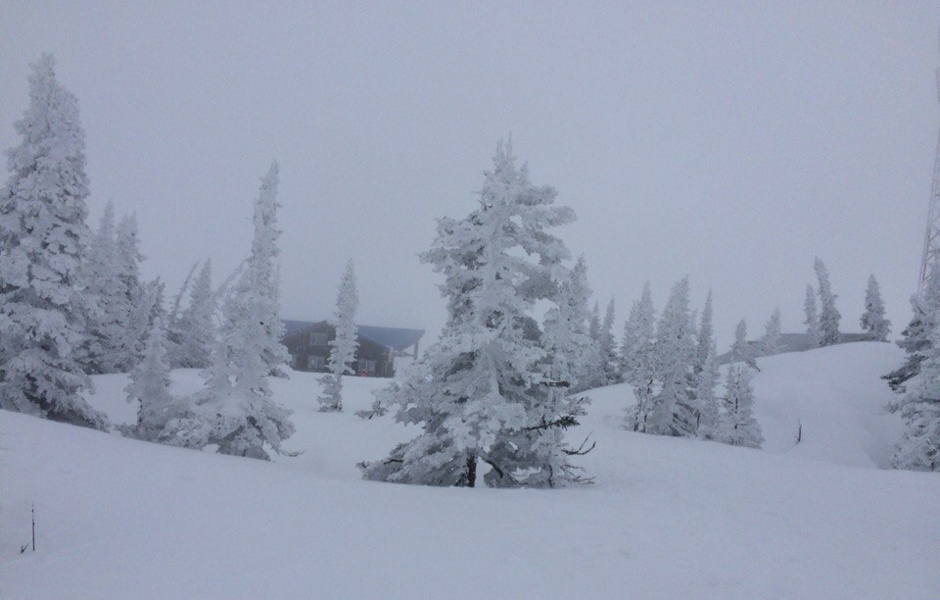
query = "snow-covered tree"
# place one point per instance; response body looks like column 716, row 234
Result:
column 99, row 277
column 134, row 329
column 594, row 375
column 42, row 237
column 610, row 362
column 194, row 330
column 705, row 375
column 829, row 315
column 916, row 338
column 873, row 320
column 344, row 344
column 738, row 426
column 240, row 415
column 485, row 393
column 811, row 320
column 741, row 350
column 672, row 411
column 567, row 339
column 150, row 385
column 266, row 264
column 770, row 342
column 919, row 448
column 638, row 352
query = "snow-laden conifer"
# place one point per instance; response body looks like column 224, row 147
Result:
column 105, row 307
column 638, row 352
column 344, row 344
column 829, row 315
column 566, row 336
column 236, row 410
column 705, row 374
column 811, row 317
column 672, row 412
column 150, row 385
column 610, row 362
column 265, row 263
column 572, row 318
column 738, row 425
column 484, row 393
column 918, row 380
column 42, row 236
column 741, row 350
column 195, row 327
column 770, row 341
column 873, row 320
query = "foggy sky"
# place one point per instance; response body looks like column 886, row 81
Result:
column 728, row 141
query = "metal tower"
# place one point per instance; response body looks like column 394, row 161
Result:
column 932, row 237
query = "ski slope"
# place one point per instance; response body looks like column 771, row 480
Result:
column 666, row 518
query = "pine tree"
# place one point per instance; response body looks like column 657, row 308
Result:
column 567, row 326
column 705, row 375
column 812, row 317
column 344, row 344
column 485, row 391
column 916, row 338
column 42, row 236
column 195, row 329
column 567, row 339
column 595, row 374
column 919, row 448
column 241, row 416
column 131, row 296
column 828, row 313
column 741, row 350
column 873, row 320
column 672, row 411
column 739, row 427
column 150, row 386
column 610, row 363
column 770, row 342
column 99, row 276
column 639, row 359
column 264, row 261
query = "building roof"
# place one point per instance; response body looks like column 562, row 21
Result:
column 395, row 338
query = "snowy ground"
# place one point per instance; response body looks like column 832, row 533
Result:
column 667, row 518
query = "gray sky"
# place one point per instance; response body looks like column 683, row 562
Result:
column 730, row 141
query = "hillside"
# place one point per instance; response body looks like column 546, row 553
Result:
column 666, row 518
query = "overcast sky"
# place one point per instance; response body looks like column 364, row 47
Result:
column 728, row 141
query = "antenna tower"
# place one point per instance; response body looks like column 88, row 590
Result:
column 932, row 237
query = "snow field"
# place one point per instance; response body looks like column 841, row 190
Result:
column 667, row 517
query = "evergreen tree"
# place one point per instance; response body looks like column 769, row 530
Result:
column 639, row 359
column 812, row 317
column 873, row 320
column 240, row 415
column 150, row 386
column 131, row 297
column 739, row 427
column 99, row 275
column 770, row 342
column 195, row 328
column 916, row 338
column 828, row 313
column 344, row 344
column 919, row 448
column 609, row 362
column 706, row 374
column 264, row 261
column 741, row 350
column 672, row 411
column 42, row 236
column 566, row 337
column 485, row 392
column 595, row 375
